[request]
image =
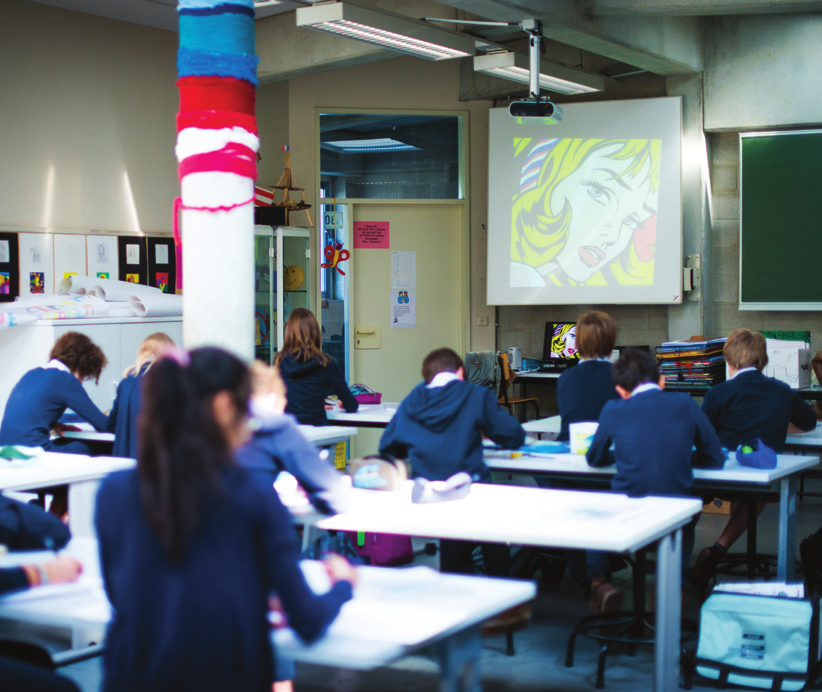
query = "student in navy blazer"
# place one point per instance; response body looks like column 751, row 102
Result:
column 42, row 396
column 192, row 547
column 310, row 375
column 650, row 435
column 122, row 420
column 584, row 389
column 438, row 428
column 748, row 405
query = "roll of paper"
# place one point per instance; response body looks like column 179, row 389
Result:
column 109, row 289
column 151, row 305
column 77, row 284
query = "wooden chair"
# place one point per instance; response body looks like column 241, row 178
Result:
column 507, row 377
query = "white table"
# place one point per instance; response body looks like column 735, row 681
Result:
column 366, row 416
column 394, row 613
column 548, row 518
column 549, row 427
column 320, row 435
column 732, row 476
column 82, row 475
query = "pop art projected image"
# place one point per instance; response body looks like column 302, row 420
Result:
column 589, row 218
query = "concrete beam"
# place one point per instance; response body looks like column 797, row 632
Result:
column 664, row 45
column 632, row 8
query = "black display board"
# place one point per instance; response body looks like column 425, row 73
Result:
column 162, row 264
column 9, row 267
column 132, row 255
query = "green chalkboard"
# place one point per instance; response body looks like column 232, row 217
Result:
column 781, row 227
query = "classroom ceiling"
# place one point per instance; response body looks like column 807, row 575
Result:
column 612, row 37
column 161, row 13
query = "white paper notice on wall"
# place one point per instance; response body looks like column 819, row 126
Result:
column 161, row 254
column 403, row 270
column 5, row 253
column 102, row 257
column 403, row 309
column 36, row 263
column 132, row 253
column 69, row 256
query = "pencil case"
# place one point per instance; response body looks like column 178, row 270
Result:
column 365, row 395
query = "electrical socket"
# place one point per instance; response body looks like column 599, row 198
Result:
column 482, row 321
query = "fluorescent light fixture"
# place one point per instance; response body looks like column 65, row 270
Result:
column 386, row 29
column 552, row 77
column 362, row 146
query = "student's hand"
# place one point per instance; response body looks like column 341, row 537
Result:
column 340, row 569
column 329, row 407
column 60, row 428
column 63, row 569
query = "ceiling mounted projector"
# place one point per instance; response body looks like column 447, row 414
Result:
column 535, row 108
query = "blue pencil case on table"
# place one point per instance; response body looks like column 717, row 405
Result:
column 547, row 447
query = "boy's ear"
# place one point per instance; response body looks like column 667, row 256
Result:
column 624, row 393
column 460, row 373
column 661, row 382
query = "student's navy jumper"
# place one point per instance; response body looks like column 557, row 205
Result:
column 582, row 391
column 653, row 434
column 307, row 386
column 36, row 403
column 122, row 420
column 279, row 445
column 439, row 430
column 753, row 405
column 201, row 623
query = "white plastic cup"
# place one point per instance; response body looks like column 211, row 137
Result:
column 581, row 436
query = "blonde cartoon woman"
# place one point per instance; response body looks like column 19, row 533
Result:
column 585, row 213
column 564, row 341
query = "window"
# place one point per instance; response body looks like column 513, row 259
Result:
column 391, row 156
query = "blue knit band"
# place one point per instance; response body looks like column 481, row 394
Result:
column 203, row 63
column 228, row 33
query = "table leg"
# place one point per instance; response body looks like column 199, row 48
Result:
column 668, row 612
column 459, row 659
column 82, row 497
column 786, row 553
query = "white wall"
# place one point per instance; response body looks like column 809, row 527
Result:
column 88, row 106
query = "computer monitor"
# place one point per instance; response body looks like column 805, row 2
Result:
column 560, row 341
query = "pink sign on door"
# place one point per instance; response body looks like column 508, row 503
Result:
column 371, row 235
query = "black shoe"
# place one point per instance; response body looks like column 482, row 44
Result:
column 704, row 568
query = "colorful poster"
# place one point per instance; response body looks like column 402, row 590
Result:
column 36, row 255
column 161, row 279
column 371, row 235
column 5, row 283
column 36, row 280
column 101, row 254
column 69, row 256
column 133, row 278
column 403, row 309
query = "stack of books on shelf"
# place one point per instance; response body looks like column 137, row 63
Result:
column 692, row 364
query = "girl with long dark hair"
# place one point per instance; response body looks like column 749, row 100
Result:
column 192, row 546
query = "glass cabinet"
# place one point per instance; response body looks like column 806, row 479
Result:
column 282, row 279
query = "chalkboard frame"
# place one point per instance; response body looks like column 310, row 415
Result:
column 756, row 235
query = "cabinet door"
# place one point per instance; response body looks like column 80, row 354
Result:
column 264, row 287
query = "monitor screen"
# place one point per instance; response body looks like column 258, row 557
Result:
column 560, row 340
